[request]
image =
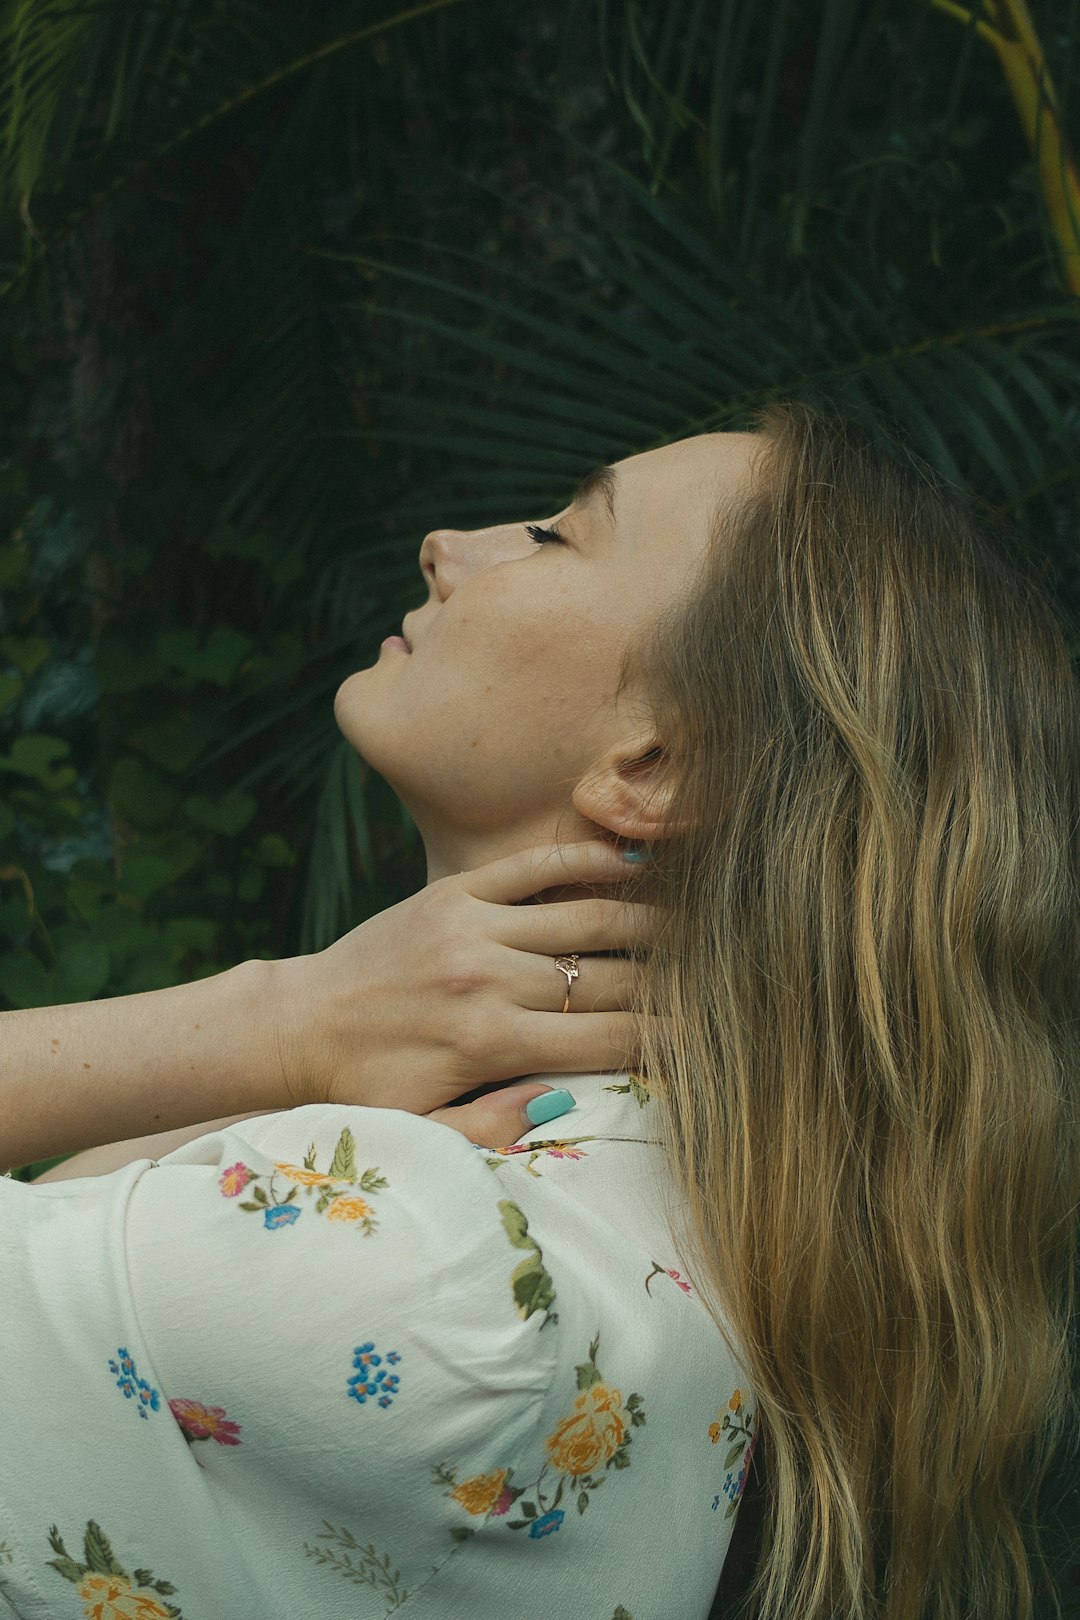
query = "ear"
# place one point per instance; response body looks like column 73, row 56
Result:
column 630, row 792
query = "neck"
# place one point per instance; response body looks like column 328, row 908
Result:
column 453, row 850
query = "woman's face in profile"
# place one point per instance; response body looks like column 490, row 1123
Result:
column 505, row 697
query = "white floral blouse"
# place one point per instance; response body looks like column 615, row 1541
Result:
column 341, row 1361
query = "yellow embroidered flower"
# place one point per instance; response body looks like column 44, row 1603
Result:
column 479, row 1495
column 348, row 1209
column 735, row 1401
column 716, row 1430
column 110, row 1597
column 307, row 1178
column 591, row 1435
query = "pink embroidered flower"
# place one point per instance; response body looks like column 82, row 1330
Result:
column 565, row 1153
column 201, row 1422
column 503, row 1505
column 685, row 1286
column 233, row 1180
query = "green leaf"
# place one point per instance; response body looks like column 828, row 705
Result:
column 25, row 652
column 143, row 875
column 7, row 821
column 12, row 566
column 515, row 1225
column 99, row 1554
column 24, row 981
column 36, row 757
column 67, row 1567
column 10, row 687
column 274, row 851
column 228, row 815
column 344, row 1161
column 140, row 796
column 251, row 884
column 174, row 743
column 217, row 661
column 82, row 970
column 532, row 1287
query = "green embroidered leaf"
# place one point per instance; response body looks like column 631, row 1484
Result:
column 512, row 1524
column 249, row 1205
column 344, row 1163
column 462, row 1534
column 309, row 1164
column 582, row 1502
column 371, row 1181
column 529, row 1510
column 621, row 1459
column 588, row 1373
column 622, row 1614
column 640, row 1092
column 516, row 1226
column 734, row 1455
column 259, row 1195
column 142, row 1577
column 532, row 1286
column 98, row 1553
column 166, row 1588
column 67, row 1568
column 633, row 1402
column 290, row 1195
column 443, row 1475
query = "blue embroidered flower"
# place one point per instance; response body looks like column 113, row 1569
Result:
column 367, row 1381
column 280, row 1215
column 547, row 1524
column 131, row 1386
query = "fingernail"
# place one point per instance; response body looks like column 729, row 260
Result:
column 549, row 1105
column 637, row 855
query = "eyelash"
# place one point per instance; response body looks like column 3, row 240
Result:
column 543, row 536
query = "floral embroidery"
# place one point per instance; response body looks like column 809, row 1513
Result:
column 635, row 1087
column 369, row 1569
column 337, row 1188
column 368, row 1382
column 484, row 1493
column 563, row 1147
column 531, row 1282
column 666, row 1271
column 233, row 1180
column 105, row 1587
column 592, row 1438
column 742, row 1429
column 199, row 1422
column 132, row 1386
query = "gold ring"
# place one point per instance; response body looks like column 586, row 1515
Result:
column 569, row 966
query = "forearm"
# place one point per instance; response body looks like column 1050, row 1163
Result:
column 96, row 1072
column 102, row 1161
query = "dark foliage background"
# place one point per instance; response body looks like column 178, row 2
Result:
column 284, row 287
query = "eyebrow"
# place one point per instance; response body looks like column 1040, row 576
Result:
column 600, row 481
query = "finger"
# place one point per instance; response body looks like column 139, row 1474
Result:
column 603, row 984
column 498, row 1119
column 585, row 926
column 529, row 871
column 576, row 1043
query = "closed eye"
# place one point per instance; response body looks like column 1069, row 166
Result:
column 543, row 536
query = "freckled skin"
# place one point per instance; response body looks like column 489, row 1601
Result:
column 491, row 730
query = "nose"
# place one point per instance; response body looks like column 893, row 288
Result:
column 450, row 556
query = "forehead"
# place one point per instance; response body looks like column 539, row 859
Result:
column 674, row 491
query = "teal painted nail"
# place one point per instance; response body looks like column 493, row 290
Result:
column 637, row 855
column 549, row 1105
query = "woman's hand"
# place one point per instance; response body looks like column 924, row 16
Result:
column 456, row 988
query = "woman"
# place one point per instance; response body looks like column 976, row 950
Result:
column 836, row 1203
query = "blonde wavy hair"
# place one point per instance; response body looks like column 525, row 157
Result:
column 859, row 1023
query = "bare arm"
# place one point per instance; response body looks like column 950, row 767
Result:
column 96, row 1072
column 101, row 1161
